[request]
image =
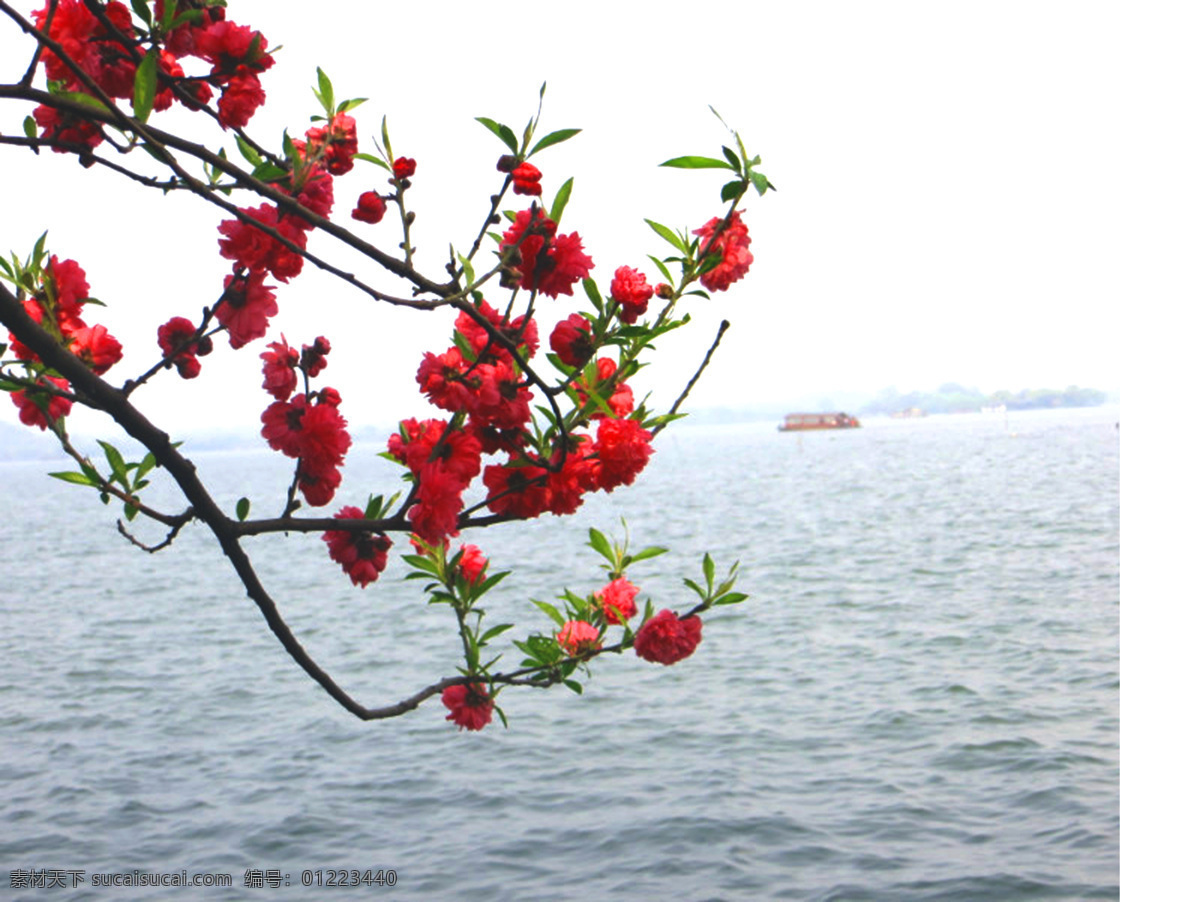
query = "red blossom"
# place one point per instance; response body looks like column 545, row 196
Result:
column 519, row 491
column 232, row 49
column 178, row 335
column 423, row 441
column 619, row 396
column 370, row 209
column 631, row 290
column 554, row 263
column 316, row 195
column 570, row 265
column 500, row 397
column 572, row 340
column 16, row 347
column 240, row 97
column 41, row 408
column 70, row 286
column 665, row 639
column 315, row 432
column 617, row 600
column 576, row 478
column 312, row 359
column 72, row 27
column 279, row 368
column 577, row 636
column 66, row 129
column 404, row 168
column 324, row 436
column 442, row 378
column 470, row 705
column 733, row 245
column 95, row 347
column 318, row 481
column 472, row 564
column 252, row 248
column 246, row 307
column 362, row 554
column 439, row 501
column 527, row 180
column 340, row 137
column 622, row 449
column 169, row 72
column 522, row 332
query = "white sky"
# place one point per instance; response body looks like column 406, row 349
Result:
column 976, row 193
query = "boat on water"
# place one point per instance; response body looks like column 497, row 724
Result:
column 797, row 421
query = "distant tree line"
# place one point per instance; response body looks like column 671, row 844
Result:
column 954, row 398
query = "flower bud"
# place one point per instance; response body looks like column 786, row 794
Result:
column 507, row 163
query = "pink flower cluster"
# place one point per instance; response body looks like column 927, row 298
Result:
column 307, row 427
column 57, row 306
column 481, row 376
column 362, row 554
column 733, row 244
column 109, row 54
column 470, row 705
column 546, row 262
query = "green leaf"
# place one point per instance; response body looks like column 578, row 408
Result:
column 243, row 508
column 142, row 11
column 268, row 172
column 189, row 16
column 387, row 142
column 647, row 553
column 291, row 153
column 593, row 293
column 131, row 511
column 662, row 268
column 251, row 155
column 735, row 162
column 417, row 562
column 732, row 598
column 374, row 506
column 599, row 541
column 488, row 583
column 30, row 127
column 347, row 105
column 39, row 249
column 503, row 132
column 573, row 686
column 554, row 138
column 371, row 158
column 84, row 99
column 710, row 569
column 550, row 611
column 116, row 462
column 324, row 91
column 148, row 463
column 75, row 478
column 545, row 649
column 730, row 190
column 560, row 200
column 693, row 162
column 468, row 269
column 494, row 632
column 761, row 183
column 667, row 235
column 695, row 588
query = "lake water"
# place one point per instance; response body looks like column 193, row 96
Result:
column 919, row 701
